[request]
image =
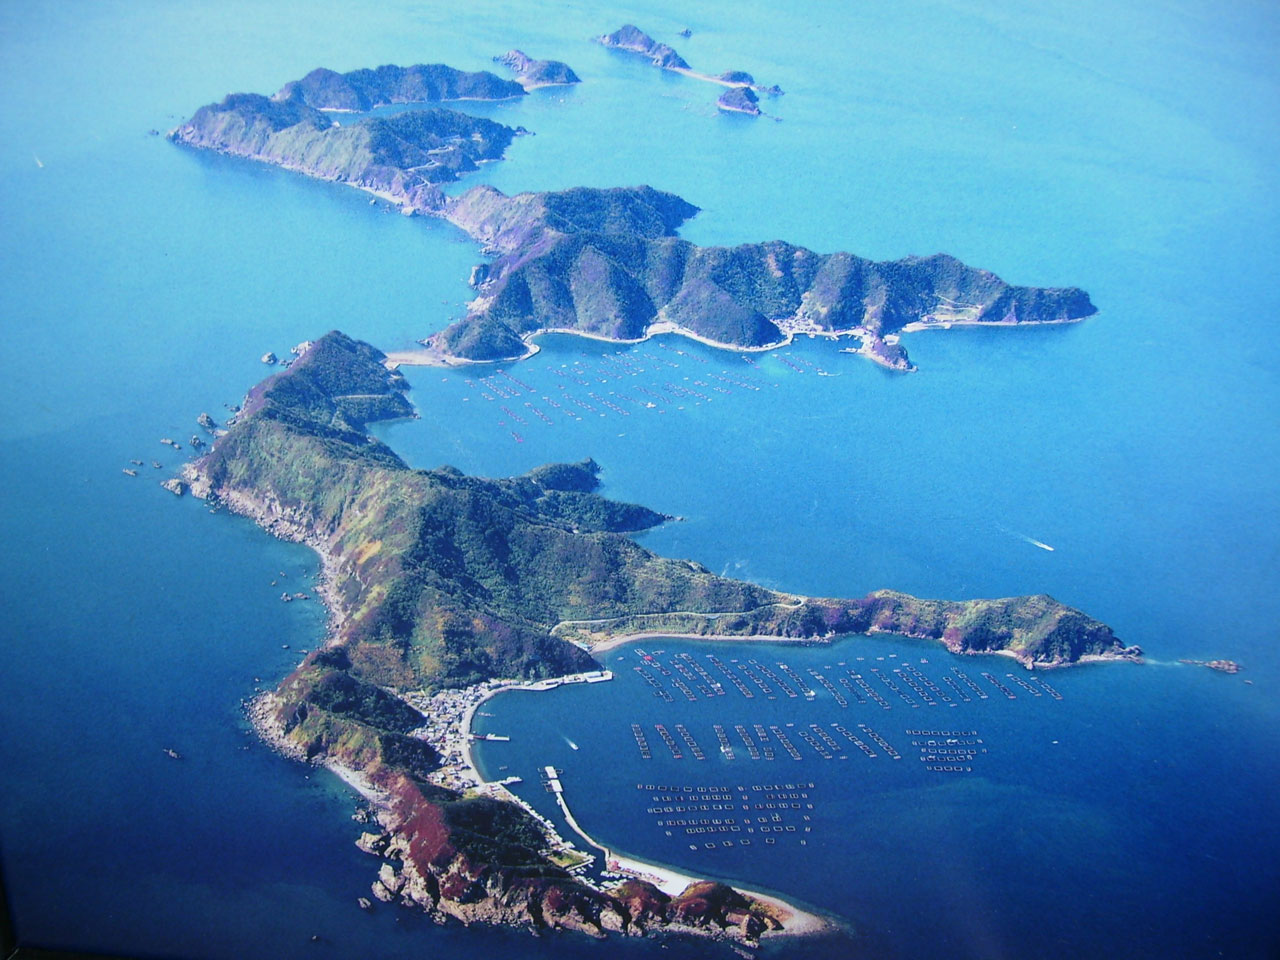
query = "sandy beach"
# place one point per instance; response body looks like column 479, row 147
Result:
column 605, row 645
column 430, row 356
column 796, row 922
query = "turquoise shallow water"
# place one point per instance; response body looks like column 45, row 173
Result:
column 1125, row 150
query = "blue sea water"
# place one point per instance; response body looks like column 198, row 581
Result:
column 1122, row 147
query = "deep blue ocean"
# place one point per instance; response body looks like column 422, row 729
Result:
column 1127, row 148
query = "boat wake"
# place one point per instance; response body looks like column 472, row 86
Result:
column 572, row 745
column 1025, row 539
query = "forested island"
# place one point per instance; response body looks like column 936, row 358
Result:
column 401, row 157
column 364, row 90
column 438, row 580
column 607, row 262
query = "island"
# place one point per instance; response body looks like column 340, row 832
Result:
column 363, row 90
column 607, row 263
column 401, row 158
column 740, row 100
column 442, row 587
column 634, row 40
column 537, row 73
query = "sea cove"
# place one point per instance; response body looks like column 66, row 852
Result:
column 1139, row 444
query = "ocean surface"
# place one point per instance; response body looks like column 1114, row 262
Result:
column 1127, row 148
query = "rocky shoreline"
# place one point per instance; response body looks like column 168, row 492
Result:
column 285, row 525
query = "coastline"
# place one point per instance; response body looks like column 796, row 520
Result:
column 706, row 77
column 283, row 528
column 432, row 356
column 533, row 85
column 261, row 713
column 400, row 200
column 429, row 355
column 603, row 646
column 261, row 708
column 796, row 922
